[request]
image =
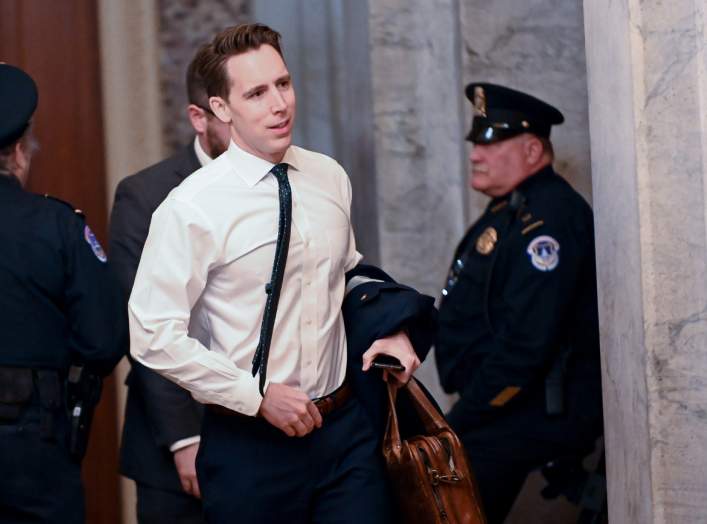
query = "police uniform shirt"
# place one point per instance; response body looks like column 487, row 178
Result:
column 213, row 242
column 527, row 288
column 59, row 299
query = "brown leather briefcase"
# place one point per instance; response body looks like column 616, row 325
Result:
column 429, row 473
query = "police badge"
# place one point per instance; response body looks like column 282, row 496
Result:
column 92, row 241
column 544, row 253
column 486, row 241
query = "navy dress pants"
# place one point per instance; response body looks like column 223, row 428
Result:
column 39, row 481
column 251, row 472
column 162, row 506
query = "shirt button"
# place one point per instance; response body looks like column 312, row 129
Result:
column 308, row 283
column 308, row 322
column 306, row 243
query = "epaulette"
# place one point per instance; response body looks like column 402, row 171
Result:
column 74, row 209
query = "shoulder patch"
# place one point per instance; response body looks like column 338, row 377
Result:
column 544, row 252
column 92, row 241
column 74, row 209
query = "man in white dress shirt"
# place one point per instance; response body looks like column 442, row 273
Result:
column 160, row 436
column 207, row 260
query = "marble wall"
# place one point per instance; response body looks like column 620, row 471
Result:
column 184, row 25
column 420, row 159
column 420, row 164
column 648, row 114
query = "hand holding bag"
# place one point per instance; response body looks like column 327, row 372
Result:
column 429, row 473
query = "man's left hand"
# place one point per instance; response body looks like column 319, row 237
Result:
column 185, row 461
column 397, row 346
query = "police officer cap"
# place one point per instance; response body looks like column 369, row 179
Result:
column 501, row 113
column 18, row 100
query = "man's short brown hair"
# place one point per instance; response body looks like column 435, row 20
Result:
column 210, row 61
column 196, row 87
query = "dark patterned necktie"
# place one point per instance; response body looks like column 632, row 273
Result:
column 272, row 288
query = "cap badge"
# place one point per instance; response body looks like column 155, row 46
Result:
column 92, row 241
column 487, row 241
column 544, row 252
column 479, row 101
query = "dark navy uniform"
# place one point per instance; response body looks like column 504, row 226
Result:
column 60, row 306
column 518, row 335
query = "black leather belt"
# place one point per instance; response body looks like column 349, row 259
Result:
column 326, row 404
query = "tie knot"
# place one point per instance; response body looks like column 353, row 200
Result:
column 279, row 171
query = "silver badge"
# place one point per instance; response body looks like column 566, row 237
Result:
column 544, row 253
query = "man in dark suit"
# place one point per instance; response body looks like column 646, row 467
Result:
column 162, row 421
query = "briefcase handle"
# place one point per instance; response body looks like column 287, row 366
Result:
column 429, row 416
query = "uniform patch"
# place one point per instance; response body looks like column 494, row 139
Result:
column 95, row 245
column 486, row 241
column 544, row 253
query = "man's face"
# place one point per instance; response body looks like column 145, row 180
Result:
column 496, row 169
column 261, row 103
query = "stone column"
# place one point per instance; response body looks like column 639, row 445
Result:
column 419, row 152
column 648, row 121
column 131, row 116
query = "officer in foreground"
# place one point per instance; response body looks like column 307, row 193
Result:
column 518, row 331
column 60, row 311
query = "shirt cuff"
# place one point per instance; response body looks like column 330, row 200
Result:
column 183, row 443
column 248, row 397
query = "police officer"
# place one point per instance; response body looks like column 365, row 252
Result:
column 60, row 307
column 518, row 335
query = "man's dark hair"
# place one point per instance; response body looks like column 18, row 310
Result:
column 196, row 88
column 232, row 41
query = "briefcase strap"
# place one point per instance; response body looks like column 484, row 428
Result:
column 432, row 420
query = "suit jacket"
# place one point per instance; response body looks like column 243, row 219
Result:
column 374, row 310
column 158, row 412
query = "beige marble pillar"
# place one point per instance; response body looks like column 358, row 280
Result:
column 648, row 121
column 132, row 125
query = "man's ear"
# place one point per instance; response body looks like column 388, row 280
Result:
column 19, row 162
column 197, row 117
column 220, row 108
column 533, row 149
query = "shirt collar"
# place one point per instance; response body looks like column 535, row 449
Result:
column 252, row 168
column 200, row 153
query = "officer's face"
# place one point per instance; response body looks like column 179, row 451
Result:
column 261, row 103
column 496, row 169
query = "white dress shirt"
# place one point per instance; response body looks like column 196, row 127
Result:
column 201, row 155
column 205, row 264
column 203, row 159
